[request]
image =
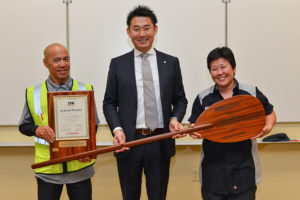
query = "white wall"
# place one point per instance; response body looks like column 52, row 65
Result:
column 263, row 35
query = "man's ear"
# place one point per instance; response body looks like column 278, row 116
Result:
column 155, row 29
column 128, row 31
column 45, row 62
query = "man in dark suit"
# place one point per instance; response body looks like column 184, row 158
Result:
column 130, row 115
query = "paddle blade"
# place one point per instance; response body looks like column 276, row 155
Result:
column 235, row 119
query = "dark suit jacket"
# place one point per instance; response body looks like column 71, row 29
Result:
column 120, row 100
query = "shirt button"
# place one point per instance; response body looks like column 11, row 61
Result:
column 235, row 187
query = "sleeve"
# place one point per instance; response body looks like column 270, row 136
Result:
column 179, row 100
column 110, row 102
column 265, row 102
column 26, row 124
column 196, row 110
column 97, row 121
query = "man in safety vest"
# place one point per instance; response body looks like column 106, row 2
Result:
column 34, row 122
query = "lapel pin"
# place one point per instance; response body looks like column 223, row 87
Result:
column 165, row 61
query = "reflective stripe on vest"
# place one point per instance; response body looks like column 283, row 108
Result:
column 37, row 99
column 38, row 109
column 81, row 86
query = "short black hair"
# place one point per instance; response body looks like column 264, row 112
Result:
column 221, row 52
column 141, row 11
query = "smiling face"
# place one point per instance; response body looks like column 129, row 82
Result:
column 142, row 33
column 222, row 73
column 57, row 60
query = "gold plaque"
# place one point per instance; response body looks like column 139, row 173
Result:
column 81, row 143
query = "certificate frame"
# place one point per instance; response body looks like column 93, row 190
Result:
column 71, row 114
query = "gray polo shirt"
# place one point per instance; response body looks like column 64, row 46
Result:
column 26, row 119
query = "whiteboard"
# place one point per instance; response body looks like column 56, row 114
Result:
column 263, row 35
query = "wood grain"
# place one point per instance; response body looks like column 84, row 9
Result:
column 235, row 119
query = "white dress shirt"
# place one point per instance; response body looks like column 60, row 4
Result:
column 140, row 120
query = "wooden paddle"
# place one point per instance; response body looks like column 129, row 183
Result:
column 113, row 148
column 234, row 119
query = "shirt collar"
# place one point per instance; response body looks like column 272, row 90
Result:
column 54, row 87
column 138, row 53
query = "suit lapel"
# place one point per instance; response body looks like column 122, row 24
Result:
column 161, row 71
column 131, row 73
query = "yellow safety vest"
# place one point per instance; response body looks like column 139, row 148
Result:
column 37, row 104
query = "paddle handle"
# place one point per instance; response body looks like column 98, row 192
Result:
column 114, row 148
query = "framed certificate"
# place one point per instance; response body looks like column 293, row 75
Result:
column 71, row 114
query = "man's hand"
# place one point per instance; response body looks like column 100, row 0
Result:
column 119, row 139
column 194, row 135
column 46, row 133
column 85, row 159
column 176, row 126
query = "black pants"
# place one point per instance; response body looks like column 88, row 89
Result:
column 76, row 191
column 150, row 158
column 247, row 195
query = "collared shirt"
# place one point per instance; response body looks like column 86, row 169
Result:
column 28, row 128
column 140, row 120
column 228, row 168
